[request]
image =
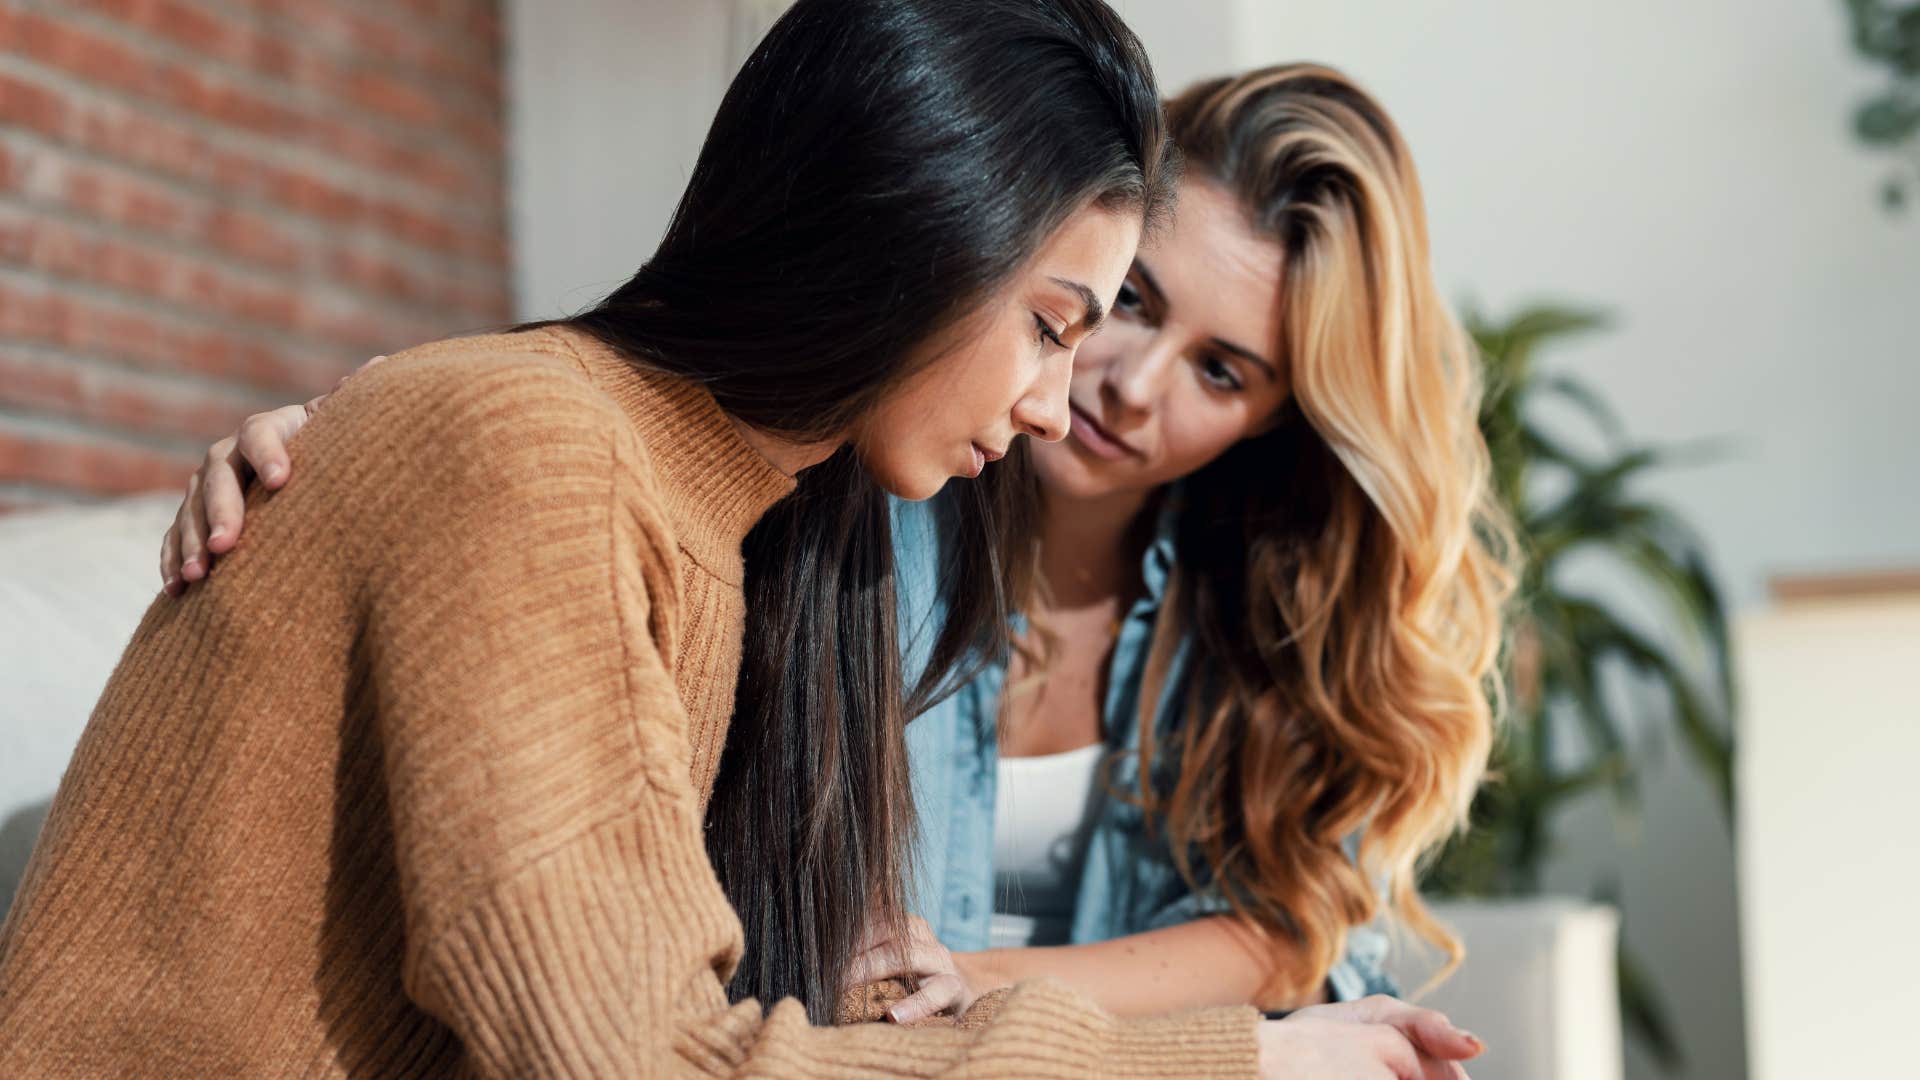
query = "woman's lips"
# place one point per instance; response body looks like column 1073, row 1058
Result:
column 981, row 456
column 1087, row 431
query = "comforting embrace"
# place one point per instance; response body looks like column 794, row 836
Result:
column 717, row 683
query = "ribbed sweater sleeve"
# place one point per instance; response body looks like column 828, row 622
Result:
column 561, row 916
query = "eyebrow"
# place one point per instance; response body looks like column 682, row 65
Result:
column 1096, row 311
column 1160, row 298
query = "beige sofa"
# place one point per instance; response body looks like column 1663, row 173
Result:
column 73, row 586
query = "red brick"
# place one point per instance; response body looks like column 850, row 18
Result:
column 211, row 206
column 155, row 144
column 32, row 107
column 116, row 332
column 474, row 70
column 142, row 269
column 90, row 57
column 108, row 63
column 183, row 24
column 99, row 397
column 100, row 468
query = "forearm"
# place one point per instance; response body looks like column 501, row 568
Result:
column 1206, row 962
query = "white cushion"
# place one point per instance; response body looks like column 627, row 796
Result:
column 74, row 584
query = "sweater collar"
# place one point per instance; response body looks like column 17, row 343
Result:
column 716, row 485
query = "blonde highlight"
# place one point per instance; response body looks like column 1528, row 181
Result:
column 1343, row 577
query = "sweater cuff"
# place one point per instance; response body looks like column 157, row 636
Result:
column 1221, row 1042
column 1202, row 1044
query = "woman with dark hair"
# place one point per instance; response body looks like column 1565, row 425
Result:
column 447, row 815
column 1274, row 441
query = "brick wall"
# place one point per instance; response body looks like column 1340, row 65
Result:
column 212, row 206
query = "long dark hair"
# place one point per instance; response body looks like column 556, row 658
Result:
column 876, row 170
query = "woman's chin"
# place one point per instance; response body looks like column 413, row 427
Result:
column 1064, row 475
column 911, row 484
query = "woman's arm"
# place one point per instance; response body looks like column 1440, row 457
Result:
column 1210, row 961
column 1303, row 1045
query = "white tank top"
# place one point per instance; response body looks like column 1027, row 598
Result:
column 1041, row 816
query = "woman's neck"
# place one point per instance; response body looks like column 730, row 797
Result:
column 1090, row 548
column 788, row 456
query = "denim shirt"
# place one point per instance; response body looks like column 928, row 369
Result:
column 1129, row 883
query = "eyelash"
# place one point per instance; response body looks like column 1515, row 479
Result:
column 1226, row 380
column 1047, row 333
column 1215, row 371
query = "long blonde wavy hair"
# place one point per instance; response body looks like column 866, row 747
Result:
column 1341, row 578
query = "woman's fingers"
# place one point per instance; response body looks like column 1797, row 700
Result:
column 1429, row 1030
column 1387, row 1045
column 170, row 561
column 1432, row 1068
column 190, row 522
column 1415, row 1042
column 917, row 957
column 223, row 498
column 874, row 934
column 935, row 996
column 313, row 404
column 879, row 956
column 883, row 961
column 263, row 442
column 1434, row 1034
column 210, row 519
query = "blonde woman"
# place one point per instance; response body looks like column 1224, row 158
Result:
column 1254, row 690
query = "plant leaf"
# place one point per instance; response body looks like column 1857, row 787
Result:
column 1588, row 400
column 1711, row 748
column 1886, row 120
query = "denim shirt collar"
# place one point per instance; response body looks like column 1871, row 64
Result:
column 1156, row 565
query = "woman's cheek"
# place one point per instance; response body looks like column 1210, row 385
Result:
column 1194, row 440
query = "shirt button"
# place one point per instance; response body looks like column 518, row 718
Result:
column 966, row 908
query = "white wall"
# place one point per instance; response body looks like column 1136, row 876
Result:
column 1826, row 886
column 1685, row 165
column 608, row 101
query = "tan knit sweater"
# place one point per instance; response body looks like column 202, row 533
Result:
column 413, row 785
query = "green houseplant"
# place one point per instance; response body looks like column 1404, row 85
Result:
column 1570, row 725
column 1886, row 33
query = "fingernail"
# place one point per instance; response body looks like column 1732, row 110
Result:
column 273, row 474
column 219, row 533
column 1471, row 1037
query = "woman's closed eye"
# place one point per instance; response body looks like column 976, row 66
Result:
column 1048, row 335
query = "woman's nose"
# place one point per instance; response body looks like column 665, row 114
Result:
column 1135, row 381
column 1042, row 413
